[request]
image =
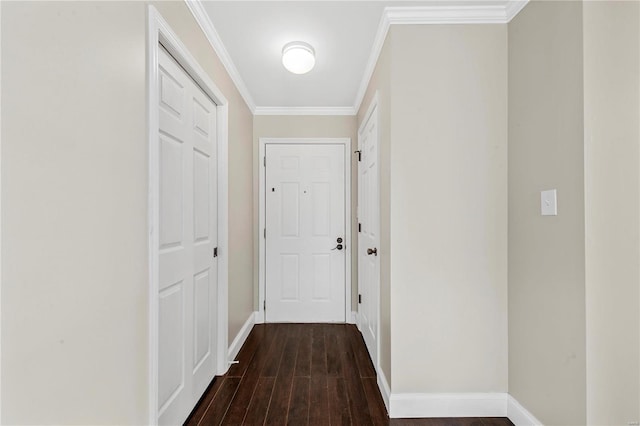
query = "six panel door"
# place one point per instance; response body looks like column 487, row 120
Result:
column 305, row 217
column 187, row 237
column 368, row 238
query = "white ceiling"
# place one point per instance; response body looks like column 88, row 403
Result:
column 343, row 34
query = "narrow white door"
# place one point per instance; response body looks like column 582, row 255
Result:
column 305, row 233
column 187, row 238
column 368, row 236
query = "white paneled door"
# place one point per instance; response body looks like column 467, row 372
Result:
column 305, row 233
column 368, row 235
column 187, row 239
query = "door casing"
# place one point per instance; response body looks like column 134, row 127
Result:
column 158, row 33
column 260, row 315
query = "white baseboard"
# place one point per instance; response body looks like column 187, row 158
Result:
column 259, row 317
column 519, row 415
column 448, row 405
column 239, row 340
column 383, row 385
column 417, row 405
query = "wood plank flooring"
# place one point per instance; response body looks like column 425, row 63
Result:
column 304, row 374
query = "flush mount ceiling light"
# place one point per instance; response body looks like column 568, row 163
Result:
column 298, row 57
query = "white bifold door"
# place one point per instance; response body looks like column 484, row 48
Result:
column 187, row 239
column 368, row 236
column 305, row 233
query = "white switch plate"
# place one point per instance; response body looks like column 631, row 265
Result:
column 549, row 203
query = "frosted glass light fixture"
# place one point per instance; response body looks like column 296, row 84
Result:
column 298, row 57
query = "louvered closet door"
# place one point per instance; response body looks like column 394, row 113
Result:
column 187, row 237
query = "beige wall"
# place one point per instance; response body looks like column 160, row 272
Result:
column 611, row 114
column 546, row 254
column 301, row 126
column 74, row 190
column 449, row 208
column 381, row 83
column 74, row 217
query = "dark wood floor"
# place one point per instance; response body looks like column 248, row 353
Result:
column 304, row 374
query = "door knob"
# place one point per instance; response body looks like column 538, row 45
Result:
column 373, row 251
column 338, row 247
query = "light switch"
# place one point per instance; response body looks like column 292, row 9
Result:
column 549, row 203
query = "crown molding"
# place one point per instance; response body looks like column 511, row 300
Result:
column 514, row 7
column 378, row 42
column 202, row 18
column 431, row 15
column 305, row 111
column 412, row 15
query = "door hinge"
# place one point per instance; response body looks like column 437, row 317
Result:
column 264, row 305
column 359, row 298
column 215, row 252
column 359, row 227
column 264, row 161
column 264, row 234
column 359, row 152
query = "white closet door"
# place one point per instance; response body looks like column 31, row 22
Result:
column 187, row 237
column 305, row 217
column 368, row 236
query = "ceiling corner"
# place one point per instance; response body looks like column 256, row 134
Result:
column 482, row 12
column 202, row 18
column 305, row 111
column 513, row 7
column 378, row 42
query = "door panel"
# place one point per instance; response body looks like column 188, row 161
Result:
column 321, row 208
column 187, row 235
column 305, row 214
column 171, row 362
column 201, row 196
column 321, row 274
column 290, row 290
column 290, row 209
column 368, row 237
column 202, row 319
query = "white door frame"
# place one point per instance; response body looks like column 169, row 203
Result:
column 262, row 220
column 371, row 110
column 0, row 226
column 158, row 33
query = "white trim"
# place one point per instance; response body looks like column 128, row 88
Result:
column 0, row 225
column 378, row 42
column 241, row 337
column 202, row 18
column 513, row 7
column 261, row 219
column 447, row 15
column 519, row 415
column 305, row 111
column 258, row 317
column 354, row 318
column 160, row 32
column 429, row 15
column 385, row 389
column 416, row 15
column 405, row 405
